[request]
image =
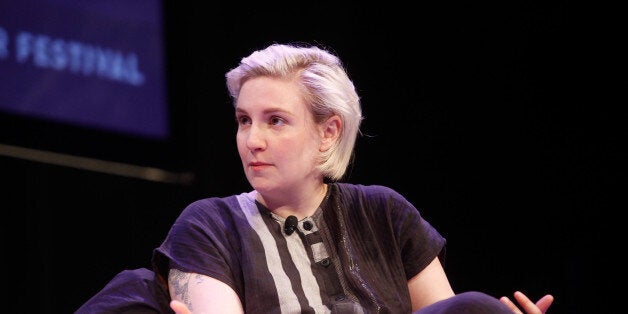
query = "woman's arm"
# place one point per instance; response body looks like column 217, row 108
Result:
column 429, row 286
column 196, row 293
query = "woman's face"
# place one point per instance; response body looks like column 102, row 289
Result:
column 277, row 138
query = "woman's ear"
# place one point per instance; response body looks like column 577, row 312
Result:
column 330, row 131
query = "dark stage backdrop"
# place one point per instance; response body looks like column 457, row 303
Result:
column 475, row 112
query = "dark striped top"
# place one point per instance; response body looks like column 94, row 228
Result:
column 355, row 254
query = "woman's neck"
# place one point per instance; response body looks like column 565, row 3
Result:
column 300, row 203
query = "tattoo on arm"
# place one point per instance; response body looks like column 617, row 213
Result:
column 179, row 284
column 199, row 278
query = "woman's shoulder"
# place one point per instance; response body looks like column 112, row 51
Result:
column 371, row 189
column 374, row 198
column 211, row 206
column 371, row 193
column 212, row 201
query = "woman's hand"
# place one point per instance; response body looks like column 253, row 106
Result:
column 528, row 306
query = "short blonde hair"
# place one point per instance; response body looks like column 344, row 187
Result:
column 327, row 90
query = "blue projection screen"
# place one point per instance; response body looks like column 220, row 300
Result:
column 92, row 64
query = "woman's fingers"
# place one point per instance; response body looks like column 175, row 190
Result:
column 513, row 307
column 527, row 305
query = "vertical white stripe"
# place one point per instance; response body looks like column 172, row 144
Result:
column 303, row 264
column 288, row 299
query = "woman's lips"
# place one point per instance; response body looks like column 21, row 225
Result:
column 258, row 165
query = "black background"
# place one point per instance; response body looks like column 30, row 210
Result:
column 487, row 117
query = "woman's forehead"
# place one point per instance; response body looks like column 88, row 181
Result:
column 265, row 94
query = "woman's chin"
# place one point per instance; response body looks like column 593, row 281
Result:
column 262, row 186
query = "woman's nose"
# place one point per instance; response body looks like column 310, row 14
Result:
column 255, row 138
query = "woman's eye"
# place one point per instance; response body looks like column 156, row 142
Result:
column 277, row 121
column 243, row 120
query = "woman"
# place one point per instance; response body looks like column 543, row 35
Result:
column 301, row 241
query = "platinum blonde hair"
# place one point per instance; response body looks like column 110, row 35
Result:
column 327, row 90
